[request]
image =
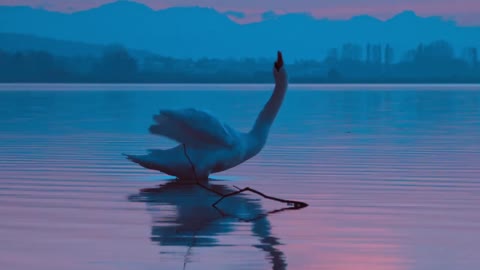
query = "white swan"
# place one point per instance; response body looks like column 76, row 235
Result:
column 211, row 146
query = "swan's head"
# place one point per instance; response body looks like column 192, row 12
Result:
column 279, row 72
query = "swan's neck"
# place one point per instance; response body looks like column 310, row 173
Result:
column 259, row 133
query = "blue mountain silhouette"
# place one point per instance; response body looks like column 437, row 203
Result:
column 194, row 32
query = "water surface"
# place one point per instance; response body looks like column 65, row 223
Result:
column 391, row 178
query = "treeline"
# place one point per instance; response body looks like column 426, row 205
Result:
column 428, row 63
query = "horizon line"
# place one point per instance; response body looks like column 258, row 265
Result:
column 234, row 86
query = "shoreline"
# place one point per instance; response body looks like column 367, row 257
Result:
column 230, row 86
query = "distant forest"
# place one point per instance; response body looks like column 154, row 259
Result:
column 351, row 63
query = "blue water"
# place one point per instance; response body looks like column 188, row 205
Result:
column 391, row 176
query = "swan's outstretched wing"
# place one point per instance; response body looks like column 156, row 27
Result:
column 192, row 127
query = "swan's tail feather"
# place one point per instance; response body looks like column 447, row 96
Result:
column 133, row 158
column 149, row 162
column 141, row 160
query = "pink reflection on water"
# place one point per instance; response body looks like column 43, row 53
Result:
column 377, row 201
column 375, row 207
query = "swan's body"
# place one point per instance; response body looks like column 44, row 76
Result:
column 211, row 145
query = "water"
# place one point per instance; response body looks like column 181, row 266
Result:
column 391, row 178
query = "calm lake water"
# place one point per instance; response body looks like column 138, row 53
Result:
column 392, row 179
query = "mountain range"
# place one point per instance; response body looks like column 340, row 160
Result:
column 194, row 32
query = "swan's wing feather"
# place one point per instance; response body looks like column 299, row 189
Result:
column 193, row 127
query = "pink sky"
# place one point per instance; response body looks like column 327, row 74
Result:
column 466, row 12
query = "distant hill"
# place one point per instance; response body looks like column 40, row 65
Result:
column 198, row 32
column 23, row 42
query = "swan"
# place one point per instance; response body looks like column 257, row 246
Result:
column 206, row 145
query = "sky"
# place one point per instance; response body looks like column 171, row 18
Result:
column 465, row 12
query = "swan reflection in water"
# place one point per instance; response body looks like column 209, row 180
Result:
column 197, row 223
